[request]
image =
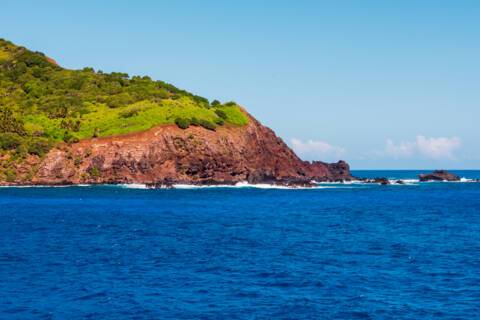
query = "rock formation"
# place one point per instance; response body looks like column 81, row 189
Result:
column 166, row 155
column 439, row 175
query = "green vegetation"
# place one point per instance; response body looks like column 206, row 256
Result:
column 42, row 104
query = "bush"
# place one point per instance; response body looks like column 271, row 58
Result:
column 9, row 123
column 70, row 138
column 119, row 100
column 33, row 59
column 231, row 104
column 194, row 121
column 129, row 113
column 9, row 141
column 221, row 114
column 182, row 123
column 10, row 175
column 201, row 100
column 207, row 125
column 39, row 146
column 219, row 121
column 215, row 103
column 94, row 172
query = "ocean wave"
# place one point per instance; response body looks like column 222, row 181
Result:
column 245, row 185
column 238, row 185
column 131, row 186
column 392, row 181
column 400, row 182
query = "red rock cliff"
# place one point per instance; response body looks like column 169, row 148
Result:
column 168, row 154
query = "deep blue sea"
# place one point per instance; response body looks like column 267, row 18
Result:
column 348, row 251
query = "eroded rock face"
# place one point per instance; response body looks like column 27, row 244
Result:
column 167, row 155
column 439, row 175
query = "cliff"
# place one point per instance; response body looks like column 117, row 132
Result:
column 166, row 155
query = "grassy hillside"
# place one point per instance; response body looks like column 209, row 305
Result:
column 42, row 103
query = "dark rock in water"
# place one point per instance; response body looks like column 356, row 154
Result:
column 382, row 181
column 439, row 175
column 399, row 182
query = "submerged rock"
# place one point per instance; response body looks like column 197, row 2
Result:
column 439, row 175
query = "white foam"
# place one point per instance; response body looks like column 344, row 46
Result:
column 242, row 184
column 131, row 186
column 340, row 182
column 360, row 182
column 400, row 182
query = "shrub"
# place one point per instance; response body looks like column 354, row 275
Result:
column 33, row 59
column 221, row 114
column 10, row 175
column 129, row 113
column 201, row 100
column 119, row 100
column 94, row 172
column 9, row 123
column 39, row 146
column 182, row 123
column 96, row 133
column 194, row 121
column 215, row 103
column 231, row 104
column 219, row 121
column 70, row 138
column 9, row 141
column 70, row 124
column 207, row 125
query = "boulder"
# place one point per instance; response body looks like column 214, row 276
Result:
column 439, row 175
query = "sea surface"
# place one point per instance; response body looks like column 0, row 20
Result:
column 339, row 251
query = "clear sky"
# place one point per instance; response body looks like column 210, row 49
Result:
column 381, row 84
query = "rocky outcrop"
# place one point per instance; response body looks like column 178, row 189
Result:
column 167, row 154
column 439, row 175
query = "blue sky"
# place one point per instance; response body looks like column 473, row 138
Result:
column 381, row 84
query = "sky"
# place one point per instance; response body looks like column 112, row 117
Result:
column 380, row 84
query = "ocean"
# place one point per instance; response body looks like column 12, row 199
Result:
column 339, row 251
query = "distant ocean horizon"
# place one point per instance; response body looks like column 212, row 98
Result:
column 412, row 173
column 339, row 251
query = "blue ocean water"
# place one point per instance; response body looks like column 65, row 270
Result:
column 336, row 252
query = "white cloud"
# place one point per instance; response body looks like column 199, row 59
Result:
column 317, row 150
column 402, row 150
column 438, row 148
column 432, row 148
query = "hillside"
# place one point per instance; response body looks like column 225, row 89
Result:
column 43, row 103
column 61, row 126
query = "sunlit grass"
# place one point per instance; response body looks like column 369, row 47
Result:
column 105, row 121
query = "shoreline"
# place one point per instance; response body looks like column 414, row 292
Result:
column 242, row 184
